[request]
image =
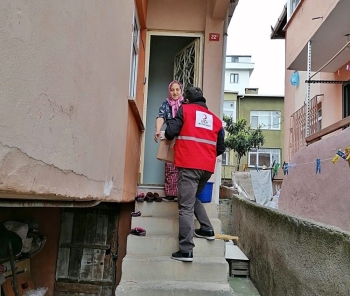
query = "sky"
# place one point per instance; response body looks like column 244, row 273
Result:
column 249, row 34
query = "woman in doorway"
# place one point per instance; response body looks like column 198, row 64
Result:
column 167, row 111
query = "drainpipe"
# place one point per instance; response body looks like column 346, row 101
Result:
column 218, row 160
column 10, row 203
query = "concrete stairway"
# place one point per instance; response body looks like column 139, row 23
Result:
column 148, row 270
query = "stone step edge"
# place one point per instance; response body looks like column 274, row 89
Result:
column 157, row 284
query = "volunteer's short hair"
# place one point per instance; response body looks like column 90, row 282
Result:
column 192, row 93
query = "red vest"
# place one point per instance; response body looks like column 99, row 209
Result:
column 195, row 147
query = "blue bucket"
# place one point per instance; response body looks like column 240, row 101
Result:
column 205, row 195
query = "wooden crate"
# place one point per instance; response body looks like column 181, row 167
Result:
column 239, row 267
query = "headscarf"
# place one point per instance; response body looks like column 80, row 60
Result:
column 174, row 104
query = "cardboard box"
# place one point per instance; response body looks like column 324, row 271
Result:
column 165, row 149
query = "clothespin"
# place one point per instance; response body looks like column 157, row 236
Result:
column 335, row 158
column 341, row 154
column 245, row 166
column 256, row 167
column 318, row 166
column 275, row 168
column 285, row 168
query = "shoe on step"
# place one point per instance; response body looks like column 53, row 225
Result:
column 157, row 198
column 208, row 234
column 149, row 197
column 170, row 198
column 185, row 257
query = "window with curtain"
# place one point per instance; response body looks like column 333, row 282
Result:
column 264, row 157
column 229, row 109
column 234, row 78
column 265, row 119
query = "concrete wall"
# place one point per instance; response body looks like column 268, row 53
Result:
column 64, row 89
column 289, row 255
column 322, row 197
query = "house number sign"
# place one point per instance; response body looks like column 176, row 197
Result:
column 214, row 37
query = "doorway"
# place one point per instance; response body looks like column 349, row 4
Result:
column 170, row 57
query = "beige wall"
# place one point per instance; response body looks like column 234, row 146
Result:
column 63, row 98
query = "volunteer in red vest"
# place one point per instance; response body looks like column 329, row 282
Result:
column 200, row 139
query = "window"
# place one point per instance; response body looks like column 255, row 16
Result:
column 230, row 109
column 134, row 54
column 292, row 5
column 234, row 60
column 319, row 117
column 265, row 119
column 234, row 78
column 264, row 157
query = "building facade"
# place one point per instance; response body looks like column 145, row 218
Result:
column 268, row 113
column 316, row 108
column 237, row 73
column 81, row 83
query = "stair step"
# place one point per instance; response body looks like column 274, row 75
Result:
column 163, row 268
column 173, row 288
column 170, row 209
column 164, row 245
column 170, row 226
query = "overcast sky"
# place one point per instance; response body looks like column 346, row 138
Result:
column 249, row 34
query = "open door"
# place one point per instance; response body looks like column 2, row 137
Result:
column 170, row 57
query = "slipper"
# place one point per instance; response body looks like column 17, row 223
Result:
column 138, row 231
column 136, row 214
column 140, row 197
column 157, row 198
column 149, row 197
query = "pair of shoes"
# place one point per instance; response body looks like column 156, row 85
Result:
column 185, row 257
column 140, row 197
column 170, row 198
column 157, row 198
column 135, row 214
column 138, row 231
column 208, row 234
column 149, row 197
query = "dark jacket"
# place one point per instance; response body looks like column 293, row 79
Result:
column 174, row 127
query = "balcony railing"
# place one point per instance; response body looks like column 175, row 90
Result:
column 329, row 129
column 298, row 123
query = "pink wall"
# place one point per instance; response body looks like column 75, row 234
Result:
column 64, row 87
column 194, row 16
column 322, row 197
column 301, row 27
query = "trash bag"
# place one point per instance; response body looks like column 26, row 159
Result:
column 37, row 292
column 6, row 237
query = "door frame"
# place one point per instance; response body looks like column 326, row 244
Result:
column 147, row 59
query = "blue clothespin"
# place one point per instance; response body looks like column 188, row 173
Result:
column 285, row 168
column 341, row 154
column 256, row 167
column 318, row 166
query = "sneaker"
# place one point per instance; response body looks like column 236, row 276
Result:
column 185, row 257
column 170, row 198
column 208, row 234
